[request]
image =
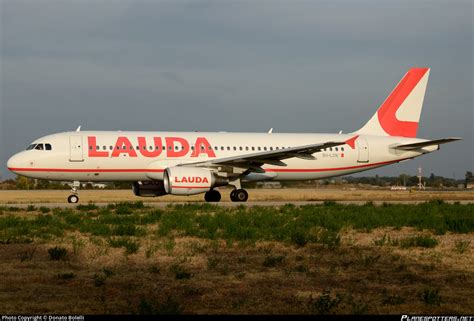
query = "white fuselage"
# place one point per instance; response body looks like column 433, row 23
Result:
column 143, row 156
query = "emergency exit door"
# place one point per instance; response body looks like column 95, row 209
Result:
column 363, row 148
column 75, row 149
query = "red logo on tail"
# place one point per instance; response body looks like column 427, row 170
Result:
column 386, row 112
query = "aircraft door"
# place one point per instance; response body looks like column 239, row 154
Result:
column 363, row 148
column 75, row 149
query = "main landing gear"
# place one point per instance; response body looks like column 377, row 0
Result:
column 239, row 195
column 74, row 198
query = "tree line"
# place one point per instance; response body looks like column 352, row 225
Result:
column 433, row 181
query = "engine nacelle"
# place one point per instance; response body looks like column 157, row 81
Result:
column 148, row 189
column 190, row 180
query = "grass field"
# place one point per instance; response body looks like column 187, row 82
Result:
column 286, row 194
column 199, row 258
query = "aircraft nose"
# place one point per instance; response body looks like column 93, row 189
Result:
column 13, row 163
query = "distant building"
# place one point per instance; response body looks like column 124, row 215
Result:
column 269, row 184
column 398, row 188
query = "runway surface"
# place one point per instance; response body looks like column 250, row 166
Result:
column 230, row 204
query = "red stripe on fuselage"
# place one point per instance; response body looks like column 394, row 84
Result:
column 133, row 170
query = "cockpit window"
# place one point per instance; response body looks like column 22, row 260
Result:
column 31, row 147
column 39, row 147
column 47, row 146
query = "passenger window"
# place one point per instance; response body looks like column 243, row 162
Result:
column 240, row 148
column 111, row 147
column 157, row 147
column 228, row 147
column 259, row 148
column 222, row 147
column 265, row 148
column 277, row 148
column 48, row 146
column 253, row 148
column 342, row 148
column 271, row 148
column 337, row 149
column 246, row 148
column 90, row 147
column 235, row 148
column 330, row 149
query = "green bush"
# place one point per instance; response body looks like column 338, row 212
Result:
column 462, row 246
column 325, row 303
column 180, row 272
column 44, row 210
column 58, row 253
column 66, row 276
column 431, row 297
column 419, row 241
column 130, row 246
column 273, row 260
column 169, row 307
column 87, row 207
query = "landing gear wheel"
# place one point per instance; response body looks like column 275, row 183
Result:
column 73, row 199
column 239, row 195
column 212, row 196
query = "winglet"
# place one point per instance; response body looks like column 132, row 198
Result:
column 78, row 129
column 270, row 130
column 351, row 141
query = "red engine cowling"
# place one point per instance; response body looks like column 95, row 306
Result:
column 190, row 180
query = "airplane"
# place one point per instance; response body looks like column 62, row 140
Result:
column 188, row 163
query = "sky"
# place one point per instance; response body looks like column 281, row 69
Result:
column 296, row 66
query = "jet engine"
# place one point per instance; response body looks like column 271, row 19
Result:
column 148, row 189
column 190, row 180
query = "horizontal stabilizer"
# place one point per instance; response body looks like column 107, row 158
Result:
column 427, row 143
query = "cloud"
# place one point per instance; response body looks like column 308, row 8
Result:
column 240, row 66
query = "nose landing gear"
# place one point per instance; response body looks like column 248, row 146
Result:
column 74, row 198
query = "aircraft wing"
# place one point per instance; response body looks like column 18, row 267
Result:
column 273, row 157
column 427, row 143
